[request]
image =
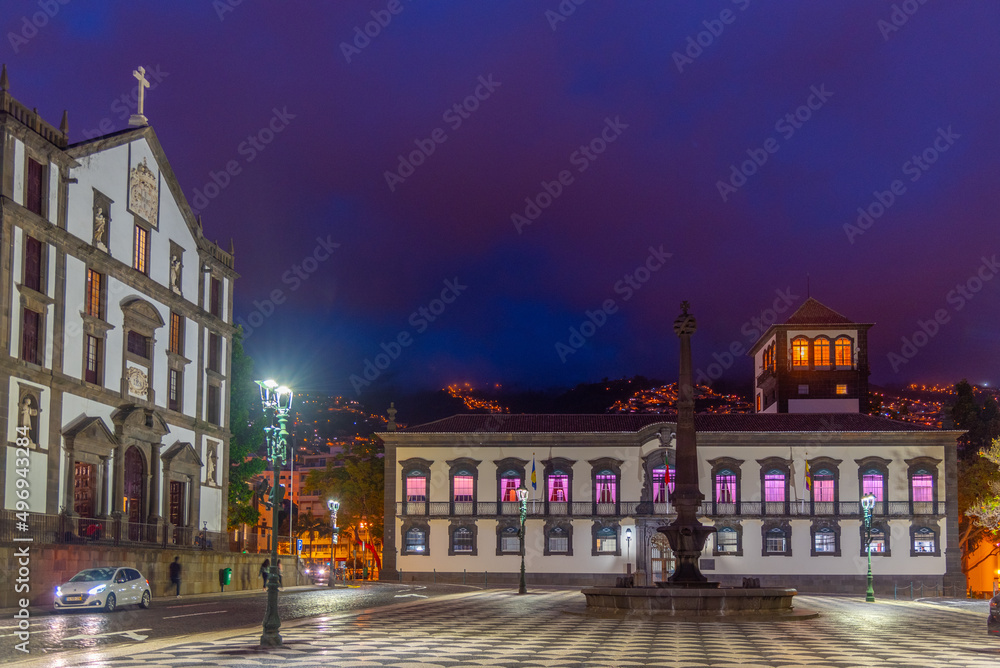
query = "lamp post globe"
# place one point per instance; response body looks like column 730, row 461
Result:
column 276, row 401
column 522, row 497
column 628, row 553
column 867, row 505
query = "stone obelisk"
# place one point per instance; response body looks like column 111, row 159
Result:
column 686, row 534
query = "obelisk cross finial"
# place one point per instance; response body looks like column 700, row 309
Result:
column 685, row 305
column 139, row 118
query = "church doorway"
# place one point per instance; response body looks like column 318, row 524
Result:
column 135, row 474
column 85, row 497
column 661, row 558
column 177, row 508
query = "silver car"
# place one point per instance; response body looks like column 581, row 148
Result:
column 103, row 588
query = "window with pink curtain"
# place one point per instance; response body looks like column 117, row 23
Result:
column 725, row 487
column 660, row 485
column 606, row 487
column 823, row 489
column 774, row 487
column 872, row 483
column 558, row 484
column 923, row 487
column 416, row 488
column 463, row 488
column 508, row 488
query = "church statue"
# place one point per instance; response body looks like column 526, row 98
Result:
column 175, row 274
column 100, row 224
column 213, row 464
column 28, row 412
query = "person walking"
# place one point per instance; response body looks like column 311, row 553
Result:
column 175, row 574
column 264, row 570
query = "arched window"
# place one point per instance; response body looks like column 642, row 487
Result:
column 416, row 486
column 416, row 541
column 558, row 486
column 800, row 352
column 464, row 484
column 843, row 351
column 725, row 486
column 727, row 540
column 821, row 352
column 606, row 486
column 873, row 482
column 774, row 486
column 509, row 482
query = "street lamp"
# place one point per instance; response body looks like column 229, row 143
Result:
column 276, row 400
column 867, row 505
column 628, row 543
column 334, row 506
column 364, row 554
column 522, row 496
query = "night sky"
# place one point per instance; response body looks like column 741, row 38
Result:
column 509, row 167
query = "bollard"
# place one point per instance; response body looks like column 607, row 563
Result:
column 911, row 591
column 400, row 574
column 895, row 591
column 434, row 581
column 486, row 579
column 463, row 576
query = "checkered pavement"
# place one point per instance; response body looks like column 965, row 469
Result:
column 554, row 630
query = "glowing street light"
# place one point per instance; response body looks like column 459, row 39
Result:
column 334, row 506
column 522, row 496
column 867, row 505
column 277, row 401
column 628, row 557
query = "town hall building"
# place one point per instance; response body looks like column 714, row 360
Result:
column 782, row 486
column 115, row 337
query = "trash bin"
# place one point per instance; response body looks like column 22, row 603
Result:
column 225, row 577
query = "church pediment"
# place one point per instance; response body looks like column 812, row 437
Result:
column 142, row 423
column 90, row 431
column 139, row 309
column 182, row 457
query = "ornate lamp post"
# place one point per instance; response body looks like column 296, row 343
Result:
column 867, row 504
column 628, row 557
column 522, row 496
column 276, row 402
column 334, row 506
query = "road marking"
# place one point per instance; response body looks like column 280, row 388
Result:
column 405, row 595
column 195, row 614
column 134, row 635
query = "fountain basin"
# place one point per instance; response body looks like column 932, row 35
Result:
column 692, row 602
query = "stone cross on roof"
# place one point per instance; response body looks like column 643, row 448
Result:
column 139, row 119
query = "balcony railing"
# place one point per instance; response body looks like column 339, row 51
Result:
column 63, row 529
column 649, row 509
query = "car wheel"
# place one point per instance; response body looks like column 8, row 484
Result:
column 144, row 603
column 109, row 604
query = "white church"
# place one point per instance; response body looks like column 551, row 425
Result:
column 115, row 335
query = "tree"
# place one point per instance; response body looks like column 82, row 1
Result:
column 968, row 416
column 310, row 525
column 246, row 424
column 355, row 478
column 979, row 502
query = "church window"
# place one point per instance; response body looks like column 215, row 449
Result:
column 841, row 388
column 35, row 187
column 93, row 367
column 140, row 249
column 30, row 326
column 215, row 297
column 138, row 344
column 33, row 264
column 95, row 294
column 844, row 351
column 800, row 352
column 177, row 333
column 821, row 352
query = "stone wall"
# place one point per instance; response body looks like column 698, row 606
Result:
column 52, row 565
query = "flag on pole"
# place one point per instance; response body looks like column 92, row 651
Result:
column 534, row 483
column 809, row 478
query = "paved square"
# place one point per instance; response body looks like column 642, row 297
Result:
column 553, row 630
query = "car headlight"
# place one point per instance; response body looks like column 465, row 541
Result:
column 58, row 591
column 97, row 590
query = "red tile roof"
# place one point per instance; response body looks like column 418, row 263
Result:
column 813, row 312
column 631, row 423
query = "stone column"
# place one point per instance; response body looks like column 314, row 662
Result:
column 102, row 488
column 118, row 488
column 156, row 479
column 69, row 502
column 194, row 514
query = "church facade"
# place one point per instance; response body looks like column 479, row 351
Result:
column 782, row 489
column 115, row 336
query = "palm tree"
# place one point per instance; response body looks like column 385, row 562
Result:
column 311, row 525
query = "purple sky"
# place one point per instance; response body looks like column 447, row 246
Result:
column 679, row 116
